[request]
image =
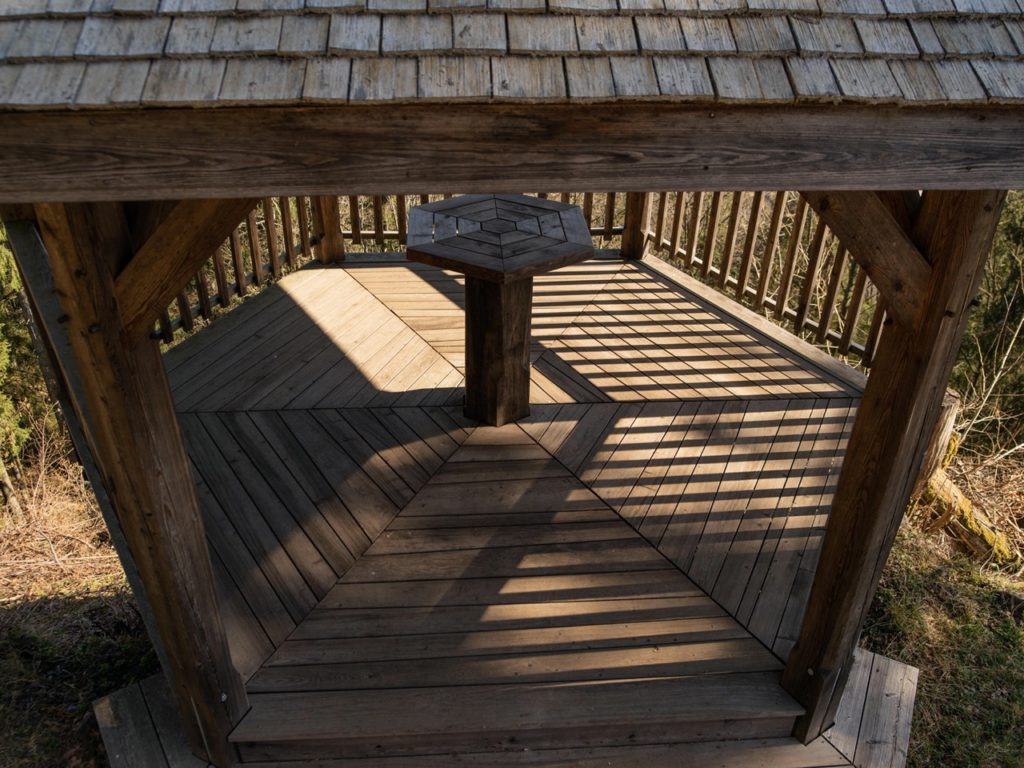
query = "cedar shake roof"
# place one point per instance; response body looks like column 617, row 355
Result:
column 68, row 54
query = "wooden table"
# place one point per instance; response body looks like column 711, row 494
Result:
column 499, row 242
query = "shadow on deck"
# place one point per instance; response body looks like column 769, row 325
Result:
column 615, row 580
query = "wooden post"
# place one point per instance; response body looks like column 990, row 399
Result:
column 57, row 360
column 330, row 246
column 498, row 350
column 954, row 231
column 133, row 433
column 636, row 225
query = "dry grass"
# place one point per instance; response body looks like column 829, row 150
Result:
column 62, row 543
column 69, row 630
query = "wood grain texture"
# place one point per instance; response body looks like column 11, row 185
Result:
column 864, row 226
column 498, row 350
column 547, row 631
column 132, row 428
column 188, row 154
column 170, row 256
column 901, row 401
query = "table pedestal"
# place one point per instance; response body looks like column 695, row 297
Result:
column 498, row 350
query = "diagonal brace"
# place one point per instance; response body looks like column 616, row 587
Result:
column 171, row 255
column 866, row 227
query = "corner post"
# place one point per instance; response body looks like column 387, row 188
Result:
column 132, row 429
column 636, row 225
column 954, row 231
column 330, row 246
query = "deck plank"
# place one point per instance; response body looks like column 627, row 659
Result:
column 515, row 716
column 752, row 753
column 479, row 603
column 271, row 559
column 128, row 731
column 329, row 430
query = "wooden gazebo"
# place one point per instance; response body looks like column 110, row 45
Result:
column 136, row 134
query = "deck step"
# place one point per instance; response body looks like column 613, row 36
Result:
column 745, row 753
column 434, row 720
column 487, row 667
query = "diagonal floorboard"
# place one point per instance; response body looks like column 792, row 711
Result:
column 647, row 537
column 530, row 674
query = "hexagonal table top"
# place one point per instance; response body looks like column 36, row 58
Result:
column 498, row 238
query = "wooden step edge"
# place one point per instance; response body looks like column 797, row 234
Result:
column 488, row 717
column 554, row 738
column 784, row 752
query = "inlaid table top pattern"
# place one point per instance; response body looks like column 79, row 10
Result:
column 498, row 238
column 499, row 242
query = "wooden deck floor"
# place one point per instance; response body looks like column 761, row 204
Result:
column 650, row 532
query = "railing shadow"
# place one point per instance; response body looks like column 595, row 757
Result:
column 317, row 412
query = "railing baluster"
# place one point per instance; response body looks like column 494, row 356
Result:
column 730, row 240
column 877, row 321
column 378, row 219
column 166, row 328
column 747, row 262
column 828, row 305
column 220, row 278
column 588, row 208
column 400, row 215
column 241, row 283
column 796, row 231
column 814, row 255
column 270, row 223
column 853, row 311
column 609, row 214
column 185, row 312
column 255, row 252
column 287, row 230
column 771, row 249
column 711, row 234
column 354, row 218
column 659, row 227
column 677, row 225
column 203, row 294
column 691, row 232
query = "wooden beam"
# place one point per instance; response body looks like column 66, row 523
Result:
column 636, row 225
column 895, row 421
column 404, row 149
column 14, row 212
column 133, row 433
column 867, row 228
column 57, row 359
column 171, row 252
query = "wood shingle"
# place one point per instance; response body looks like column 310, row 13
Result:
column 737, row 51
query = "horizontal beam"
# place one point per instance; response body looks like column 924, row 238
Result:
column 866, row 227
column 408, row 149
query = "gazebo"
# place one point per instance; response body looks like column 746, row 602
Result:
column 380, row 595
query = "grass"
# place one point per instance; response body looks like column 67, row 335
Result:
column 69, row 629
column 954, row 620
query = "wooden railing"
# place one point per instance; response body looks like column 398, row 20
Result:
column 767, row 250
column 284, row 233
